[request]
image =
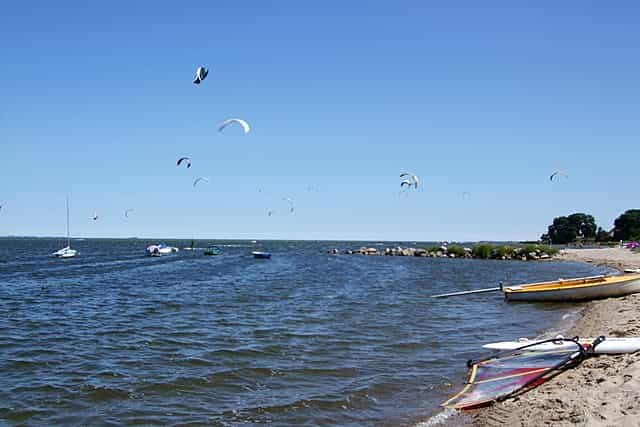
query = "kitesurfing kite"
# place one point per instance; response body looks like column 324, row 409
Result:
column 243, row 123
column 466, row 194
column 413, row 179
column 406, row 183
column 558, row 173
column 201, row 178
column 201, row 74
column 187, row 160
column 291, row 206
column 126, row 212
column 510, row 373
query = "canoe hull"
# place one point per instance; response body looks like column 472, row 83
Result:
column 606, row 288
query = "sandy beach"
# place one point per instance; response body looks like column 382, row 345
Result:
column 603, row 390
column 617, row 258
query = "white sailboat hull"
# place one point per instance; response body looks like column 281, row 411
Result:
column 65, row 253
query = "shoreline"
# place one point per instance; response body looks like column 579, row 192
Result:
column 601, row 391
column 617, row 258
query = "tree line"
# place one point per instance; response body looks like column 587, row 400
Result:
column 581, row 227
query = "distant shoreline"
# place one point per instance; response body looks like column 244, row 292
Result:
column 345, row 240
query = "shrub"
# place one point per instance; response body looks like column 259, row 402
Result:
column 551, row 251
column 488, row 251
column 458, row 251
column 484, row 251
column 503, row 251
column 529, row 248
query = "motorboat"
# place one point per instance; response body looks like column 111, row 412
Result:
column 261, row 255
column 160, row 249
column 212, row 250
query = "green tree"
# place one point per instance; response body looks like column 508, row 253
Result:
column 584, row 224
column 567, row 229
column 627, row 226
column 561, row 231
column 602, row 235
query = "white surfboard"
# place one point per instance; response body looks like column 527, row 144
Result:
column 608, row 346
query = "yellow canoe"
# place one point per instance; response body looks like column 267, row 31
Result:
column 579, row 289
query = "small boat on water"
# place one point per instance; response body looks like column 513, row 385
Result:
column 580, row 289
column 212, row 250
column 161, row 249
column 152, row 250
column 261, row 255
column 66, row 252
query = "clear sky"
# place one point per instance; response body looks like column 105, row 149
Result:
column 97, row 101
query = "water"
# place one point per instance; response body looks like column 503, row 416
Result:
column 306, row 338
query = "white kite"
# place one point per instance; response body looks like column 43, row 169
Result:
column 243, row 123
column 201, row 178
column 558, row 173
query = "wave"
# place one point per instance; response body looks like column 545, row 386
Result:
column 438, row 419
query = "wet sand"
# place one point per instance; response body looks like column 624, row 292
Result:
column 603, row 390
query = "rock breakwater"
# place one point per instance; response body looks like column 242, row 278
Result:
column 479, row 251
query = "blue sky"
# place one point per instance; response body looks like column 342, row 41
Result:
column 484, row 97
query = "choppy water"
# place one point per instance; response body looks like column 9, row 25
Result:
column 306, row 338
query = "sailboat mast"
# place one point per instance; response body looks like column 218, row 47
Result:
column 68, row 238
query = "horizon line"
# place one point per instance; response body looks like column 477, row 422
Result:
column 265, row 239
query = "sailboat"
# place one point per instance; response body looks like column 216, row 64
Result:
column 66, row 252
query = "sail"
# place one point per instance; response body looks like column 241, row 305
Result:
column 513, row 372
